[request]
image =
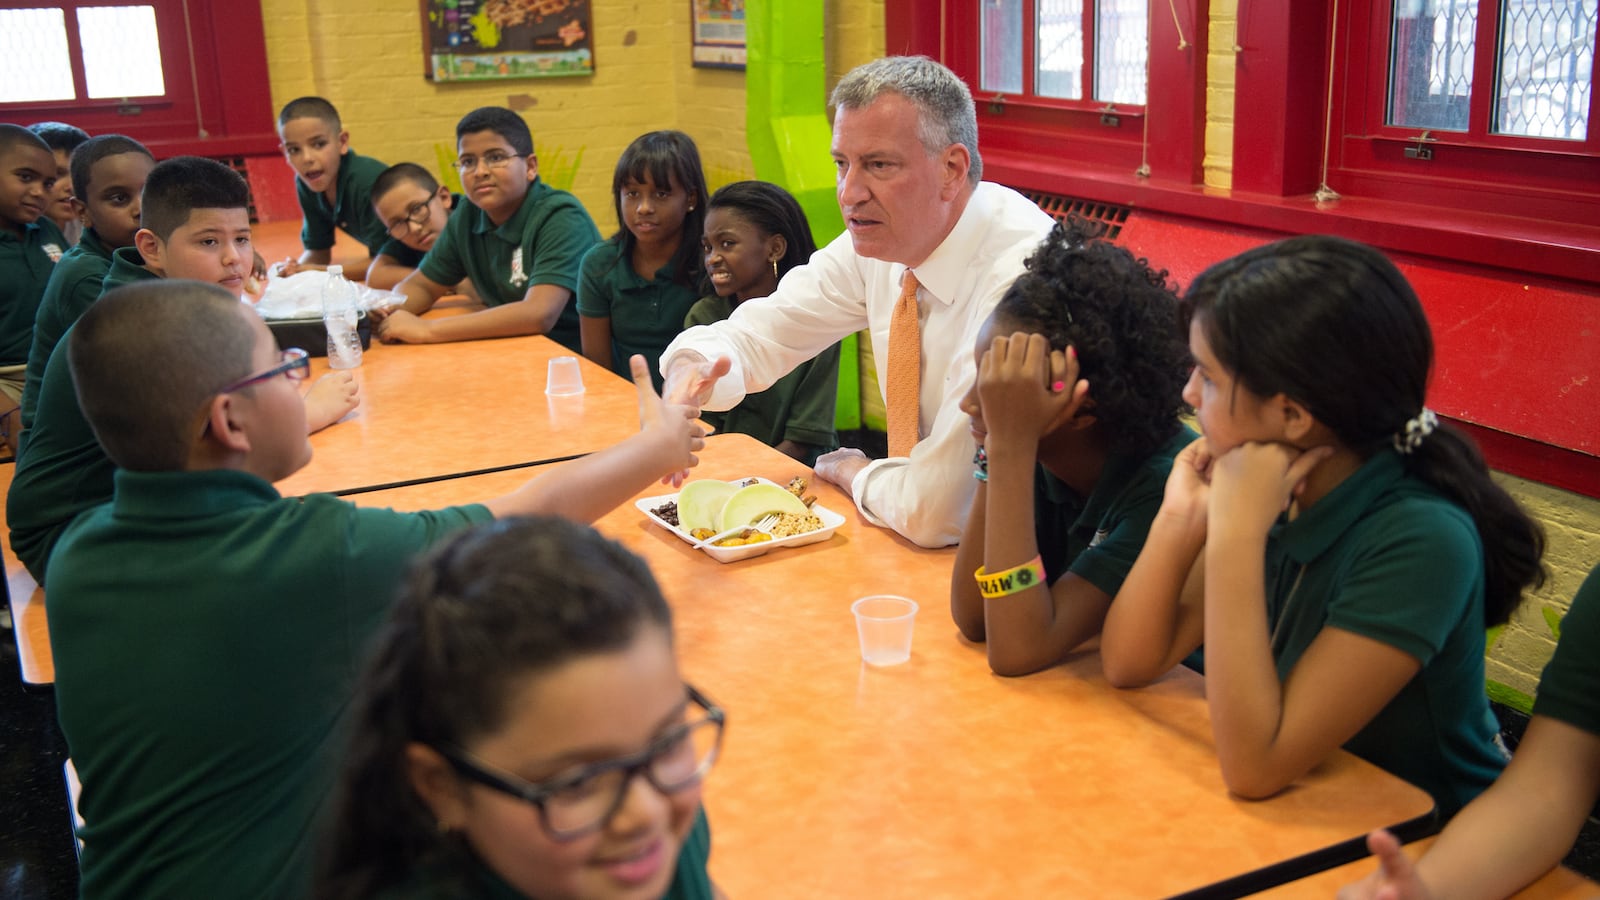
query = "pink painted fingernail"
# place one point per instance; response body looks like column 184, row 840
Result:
column 1059, row 386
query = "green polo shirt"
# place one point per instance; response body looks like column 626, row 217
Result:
column 798, row 407
column 1570, row 687
column 645, row 315
column 207, row 633
column 1386, row 556
column 455, row 873
column 61, row 470
column 351, row 211
column 542, row 243
column 25, row 267
column 400, row 252
column 73, row 287
column 1097, row 538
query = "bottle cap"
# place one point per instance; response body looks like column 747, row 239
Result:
column 336, row 271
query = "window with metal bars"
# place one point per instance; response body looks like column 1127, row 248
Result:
column 1480, row 104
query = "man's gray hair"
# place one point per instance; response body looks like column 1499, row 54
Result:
column 945, row 114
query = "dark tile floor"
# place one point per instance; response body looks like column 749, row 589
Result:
column 37, row 859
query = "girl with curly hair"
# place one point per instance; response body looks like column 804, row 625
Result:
column 1076, row 412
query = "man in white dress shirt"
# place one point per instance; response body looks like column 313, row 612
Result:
column 905, row 142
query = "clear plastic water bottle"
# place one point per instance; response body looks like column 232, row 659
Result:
column 341, row 312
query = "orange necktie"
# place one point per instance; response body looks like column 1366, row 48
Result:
column 904, row 371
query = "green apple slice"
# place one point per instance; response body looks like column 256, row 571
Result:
column 700, row 503
column 751, row 503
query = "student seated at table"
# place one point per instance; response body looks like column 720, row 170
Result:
column 414, row 206
column 206, row 630
column 1523, row 824
column 755, row 233
column 196, row 226
column 504, row 745
column 635, row 288
column 64, row 140
column 109, row 172
column 1075, row 408
column 332, row 182
column 1357, row 618
column 30, row 246
column 520, row 243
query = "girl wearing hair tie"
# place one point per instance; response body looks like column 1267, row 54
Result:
column 1338, row 550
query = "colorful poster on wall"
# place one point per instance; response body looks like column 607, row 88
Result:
column 718, row 33
column 478, row 40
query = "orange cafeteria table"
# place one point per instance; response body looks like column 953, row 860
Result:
column 1559, row 883
column 936, row 778
column 432, row 411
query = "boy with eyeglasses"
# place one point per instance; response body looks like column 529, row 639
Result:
column 206, row 630
column 196, row 225
column 415, row 207
column 332, row 182
column 520, row 242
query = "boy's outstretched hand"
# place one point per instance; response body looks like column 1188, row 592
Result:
column 1396, row 878
column 688, row 383
column 680, row 435
column 330, row 397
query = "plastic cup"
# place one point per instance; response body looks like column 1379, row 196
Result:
column 884, row 624
column 564, row 378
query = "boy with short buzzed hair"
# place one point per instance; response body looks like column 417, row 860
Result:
column 414, row 207
column 332, row 182
column 109, row 172
column 30, row 247
column 521, row 243
column 205, row 762
column 196, row 226
column 63, row 140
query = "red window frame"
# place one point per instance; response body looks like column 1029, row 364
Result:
column 1477, row 170
column 214, row 64
column 1086, row 131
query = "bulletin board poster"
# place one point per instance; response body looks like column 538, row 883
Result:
column 718, row 33
column 488, row 40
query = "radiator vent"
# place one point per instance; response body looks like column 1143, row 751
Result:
column 1060, row 207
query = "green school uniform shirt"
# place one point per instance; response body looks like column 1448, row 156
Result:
column 1388, row 557
column 62, row 471
column 542, row 243
column 351, row 211
column 207, row 633
column 26, row 264
column 645, row 315
column 798, row 407
column 1569, row 690
column 460, row 875
column 1097, row 538
column 73, row 287
column 401, row 253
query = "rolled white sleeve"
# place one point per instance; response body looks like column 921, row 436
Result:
column 925, row 496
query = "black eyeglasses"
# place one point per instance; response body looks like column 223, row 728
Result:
column 416, row 214
column 582, row 802
column 296, row 366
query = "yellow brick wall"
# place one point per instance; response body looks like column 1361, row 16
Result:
column 366, row 57
column 1223, row 28
column 1572, row 530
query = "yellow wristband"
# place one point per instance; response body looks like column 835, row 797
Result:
column 1010, row 581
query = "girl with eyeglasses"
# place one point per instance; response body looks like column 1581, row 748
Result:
column 521, row 730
